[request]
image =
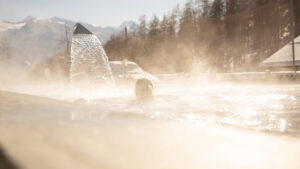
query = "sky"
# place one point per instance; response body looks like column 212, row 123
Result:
column 98, row 12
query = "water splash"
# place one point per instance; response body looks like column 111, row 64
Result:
column 89, row 62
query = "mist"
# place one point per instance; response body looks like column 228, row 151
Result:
column 214, row 36
column 222, row 76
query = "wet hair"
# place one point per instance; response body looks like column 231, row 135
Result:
column 144, row 90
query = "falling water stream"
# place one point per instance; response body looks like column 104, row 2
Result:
column 89, row 61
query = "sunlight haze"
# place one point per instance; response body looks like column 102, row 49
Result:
column 157, row 84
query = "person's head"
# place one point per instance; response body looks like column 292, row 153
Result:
column 144, row 90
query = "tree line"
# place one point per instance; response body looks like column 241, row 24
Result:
column 209, row 36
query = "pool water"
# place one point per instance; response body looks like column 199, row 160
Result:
column 187, row 126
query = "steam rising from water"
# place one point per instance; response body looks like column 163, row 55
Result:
column 185, row 127
column 271, row 108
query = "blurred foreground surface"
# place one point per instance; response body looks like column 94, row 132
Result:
column 187, row 126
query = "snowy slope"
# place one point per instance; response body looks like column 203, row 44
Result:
column 132, row 71
column 35, row 39
column 9, row 26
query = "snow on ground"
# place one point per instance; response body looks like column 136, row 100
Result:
column 130, row 70
column 10, row 26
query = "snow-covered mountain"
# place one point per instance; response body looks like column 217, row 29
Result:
column 36, row 39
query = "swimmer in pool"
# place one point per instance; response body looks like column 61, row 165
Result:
column 144, row 90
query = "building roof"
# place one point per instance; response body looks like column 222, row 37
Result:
column 80, row 29
column 284, row 56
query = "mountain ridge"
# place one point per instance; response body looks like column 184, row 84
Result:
column 33, row 39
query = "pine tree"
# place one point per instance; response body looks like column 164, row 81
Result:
column 154, row 29
column 142, row 27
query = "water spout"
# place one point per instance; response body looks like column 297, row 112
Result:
column 89, row 62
